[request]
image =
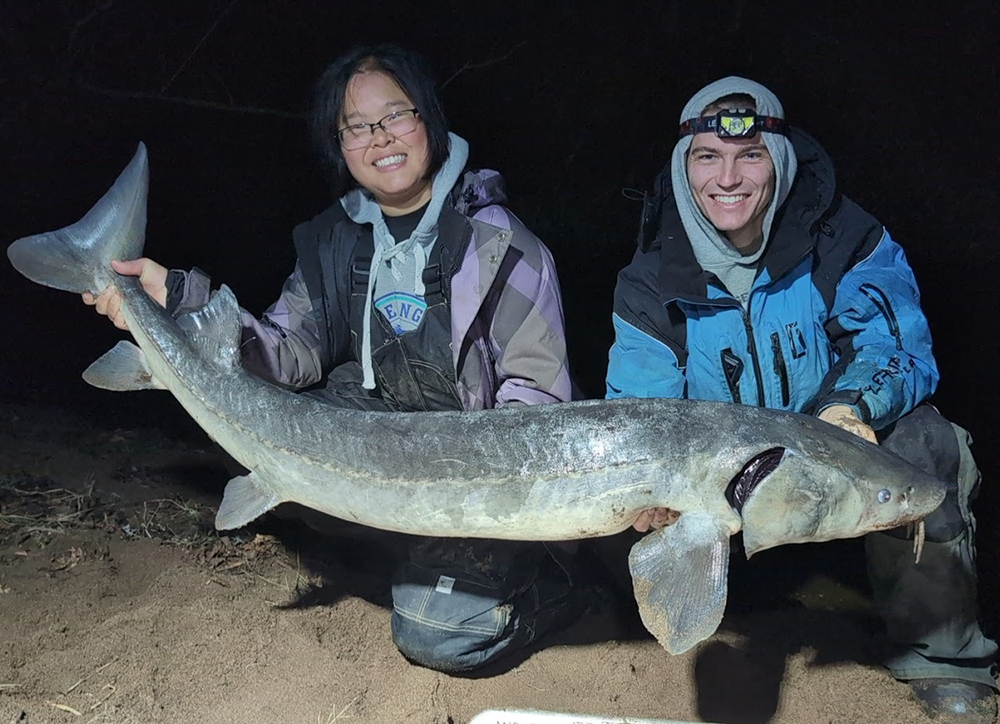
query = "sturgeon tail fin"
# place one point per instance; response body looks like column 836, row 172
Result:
column 244, row 500
column 679, row 575
column 77, row 258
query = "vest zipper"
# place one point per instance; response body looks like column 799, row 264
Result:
column 880, row 300
column 779, row 367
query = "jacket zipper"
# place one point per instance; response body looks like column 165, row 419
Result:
column 880, row 300
column 779, row 367
column 752, row 345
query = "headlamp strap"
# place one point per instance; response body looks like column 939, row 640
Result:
column 732, row 123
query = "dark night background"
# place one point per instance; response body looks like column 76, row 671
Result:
column 572, row 103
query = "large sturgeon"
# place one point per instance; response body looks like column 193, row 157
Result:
column 549, row 472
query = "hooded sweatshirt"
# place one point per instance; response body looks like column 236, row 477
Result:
column 395, row 284
column 712, row 249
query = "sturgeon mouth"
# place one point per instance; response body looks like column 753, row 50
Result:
column 753, row 474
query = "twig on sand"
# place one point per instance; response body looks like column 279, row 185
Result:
column 158, row 520
column 283, row 584
column 195, row 511
column 110, row 688
column 339, row 715
column 74, row 505
column 92, row 673
column 63, row 707
column 298, row 569
column 4, row 687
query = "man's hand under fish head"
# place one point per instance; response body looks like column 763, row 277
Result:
column 655, row 518
column 845, row 418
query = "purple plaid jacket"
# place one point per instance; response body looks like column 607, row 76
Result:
column 508, row 336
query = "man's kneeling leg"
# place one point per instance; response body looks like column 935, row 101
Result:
column 930, row 608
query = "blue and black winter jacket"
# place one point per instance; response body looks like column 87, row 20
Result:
column 833, row 315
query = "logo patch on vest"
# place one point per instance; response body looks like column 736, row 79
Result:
column 403, row 311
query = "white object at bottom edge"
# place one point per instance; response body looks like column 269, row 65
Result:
column 527, row 716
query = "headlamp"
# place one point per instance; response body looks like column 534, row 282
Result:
column 734, row 123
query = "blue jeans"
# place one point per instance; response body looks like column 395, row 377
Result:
column 459, row 604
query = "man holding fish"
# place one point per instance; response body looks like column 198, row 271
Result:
column 757, row 282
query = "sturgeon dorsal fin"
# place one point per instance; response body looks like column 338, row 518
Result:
column 679, row 574
column 244, row 500
column 214, row 330
column 122, row 368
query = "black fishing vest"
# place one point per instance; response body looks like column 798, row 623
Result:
column 414, row 371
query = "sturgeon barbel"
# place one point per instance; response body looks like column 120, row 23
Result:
column 544, row 473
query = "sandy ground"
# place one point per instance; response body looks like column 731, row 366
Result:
column 120, row 603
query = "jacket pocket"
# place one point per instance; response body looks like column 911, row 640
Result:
column 732, row 370
column 884, row 306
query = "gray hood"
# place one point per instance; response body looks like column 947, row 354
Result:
column 712, row 249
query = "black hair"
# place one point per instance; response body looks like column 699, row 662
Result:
column 410, row 70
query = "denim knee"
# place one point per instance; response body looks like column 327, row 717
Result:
column 450, row 623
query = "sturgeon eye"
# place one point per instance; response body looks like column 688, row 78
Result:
column 884, row 496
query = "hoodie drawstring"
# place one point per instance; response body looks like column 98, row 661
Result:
column 362, row 209
column 380, row 256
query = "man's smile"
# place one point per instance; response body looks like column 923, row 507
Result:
column 729, row 199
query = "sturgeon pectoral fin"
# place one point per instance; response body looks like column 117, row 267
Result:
column 122, row 368
column 244, row 500
column 679, row 577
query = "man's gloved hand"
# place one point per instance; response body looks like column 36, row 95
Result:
column 845, row 418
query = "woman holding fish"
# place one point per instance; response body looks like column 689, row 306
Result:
column 416, row 290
